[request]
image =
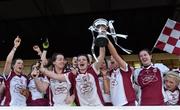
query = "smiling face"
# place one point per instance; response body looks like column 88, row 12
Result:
column 59, row 61
column 145, row 57
column 18, row 66
column 83, row 63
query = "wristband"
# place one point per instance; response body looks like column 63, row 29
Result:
column 14, row 48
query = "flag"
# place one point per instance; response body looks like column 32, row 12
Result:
column 169, row 38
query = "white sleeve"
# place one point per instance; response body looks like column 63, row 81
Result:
column 136, row 74
column 163, row 68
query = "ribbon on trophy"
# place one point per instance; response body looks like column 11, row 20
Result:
column 93, row 45
column 114, row 36
column 101, row 39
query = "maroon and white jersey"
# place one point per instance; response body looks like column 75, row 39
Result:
column 121, row 87
column 59, row 91
column 14, row 83
column 87, row 89
column 1, row 79
column 1, row 91
column 106, row 97
column 150, row 80
column 35, row 93
column 173, row 98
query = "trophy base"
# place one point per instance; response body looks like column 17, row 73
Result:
column 101, row 42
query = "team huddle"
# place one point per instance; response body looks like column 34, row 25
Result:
column 106, row 82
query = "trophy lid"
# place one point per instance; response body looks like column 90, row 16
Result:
column 100, row 22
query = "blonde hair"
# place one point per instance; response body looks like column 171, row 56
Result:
column 173, row 74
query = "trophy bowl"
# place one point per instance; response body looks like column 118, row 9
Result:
column 100, row 22
column 101, row 26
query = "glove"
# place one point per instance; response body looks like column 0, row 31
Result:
column 46, row 44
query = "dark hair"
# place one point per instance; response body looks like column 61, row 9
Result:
column 34, row 63
column 52, row 59
column 31, row 68
column 147, row 50
column 85, row 56
column 13, row 62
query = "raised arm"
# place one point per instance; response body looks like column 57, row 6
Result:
column 43, row 57
column 44, row 53
column 100, row 58
column 41, row 85
column 106, row 82
column 116, row 56
column 52, row 75
column 7, row 66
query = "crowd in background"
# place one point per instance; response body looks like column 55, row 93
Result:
column 85, row 82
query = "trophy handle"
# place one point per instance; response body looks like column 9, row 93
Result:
column 92, row 47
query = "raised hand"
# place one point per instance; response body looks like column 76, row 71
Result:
column 17, row 42
column 37, row 49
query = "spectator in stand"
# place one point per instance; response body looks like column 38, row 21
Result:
column 150, row 79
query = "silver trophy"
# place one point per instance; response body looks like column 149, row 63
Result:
column 101, row 26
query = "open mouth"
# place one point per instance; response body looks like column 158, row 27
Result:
column 112, row 62
column 81, row 65
column 144, row 60
column 20, row 68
